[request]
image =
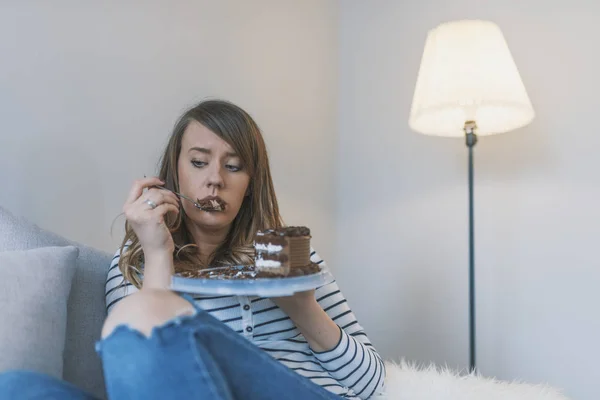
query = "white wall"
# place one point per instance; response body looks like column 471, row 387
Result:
column 402, row 197
column 89, row 92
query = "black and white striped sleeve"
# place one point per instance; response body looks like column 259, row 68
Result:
column 116, row 287
column 353, row 362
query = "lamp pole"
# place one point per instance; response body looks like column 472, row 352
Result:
column 471, row 140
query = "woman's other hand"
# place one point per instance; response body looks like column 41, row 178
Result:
column 319, row 330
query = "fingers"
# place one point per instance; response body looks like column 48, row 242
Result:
column 167, row 196
column 158, row 196
column 137, row 210
column 148, row 220
column 141, row 211
column 165, row 208
column 138, row 188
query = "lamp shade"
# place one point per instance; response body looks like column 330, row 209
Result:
column 467, row 73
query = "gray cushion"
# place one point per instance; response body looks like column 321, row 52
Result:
column 86, row 307
column 34, row 288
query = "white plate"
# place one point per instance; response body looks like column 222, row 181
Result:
column 262, row 287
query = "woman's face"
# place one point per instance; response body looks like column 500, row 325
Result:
column 209, row 167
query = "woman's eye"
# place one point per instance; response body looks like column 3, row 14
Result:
column 198, row 164
column 233, row 168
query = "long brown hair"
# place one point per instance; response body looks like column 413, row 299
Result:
column 258, row 211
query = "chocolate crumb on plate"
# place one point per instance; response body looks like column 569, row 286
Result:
column 246, row 272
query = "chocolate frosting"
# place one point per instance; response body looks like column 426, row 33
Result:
column 211, row 204
column 287, row 231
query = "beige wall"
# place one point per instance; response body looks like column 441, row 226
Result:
column 402, row 197
column 89, row 92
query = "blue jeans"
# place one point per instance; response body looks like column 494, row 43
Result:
column 189, row 357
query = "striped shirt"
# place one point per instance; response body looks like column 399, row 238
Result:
column 352, row 369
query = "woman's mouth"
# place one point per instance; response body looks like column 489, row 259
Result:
column 211, row 203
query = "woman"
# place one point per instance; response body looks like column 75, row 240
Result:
column 158, row 344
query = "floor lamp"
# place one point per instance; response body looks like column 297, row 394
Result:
column 467, row 86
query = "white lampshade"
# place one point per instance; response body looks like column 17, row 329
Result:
column 467, row 73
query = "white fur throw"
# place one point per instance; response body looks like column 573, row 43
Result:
column 405, row 381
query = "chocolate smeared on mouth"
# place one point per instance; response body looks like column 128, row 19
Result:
column 211, row 204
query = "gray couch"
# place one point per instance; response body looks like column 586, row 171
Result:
column 85, row 313
column 85, row 306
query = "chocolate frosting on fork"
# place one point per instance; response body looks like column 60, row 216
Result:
column 211, row 204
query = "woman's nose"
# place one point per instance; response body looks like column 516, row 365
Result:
column 215, row 177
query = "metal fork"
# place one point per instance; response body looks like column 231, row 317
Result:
column 183, row 197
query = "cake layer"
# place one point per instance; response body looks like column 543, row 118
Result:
column 281, row 257
column 274, row 267
column 269, row 247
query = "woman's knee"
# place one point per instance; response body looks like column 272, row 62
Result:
column 17, row 382
column 25, row 384
column 18, row 377
column 145, row 310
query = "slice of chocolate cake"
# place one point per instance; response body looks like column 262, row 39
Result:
column 279, row 251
